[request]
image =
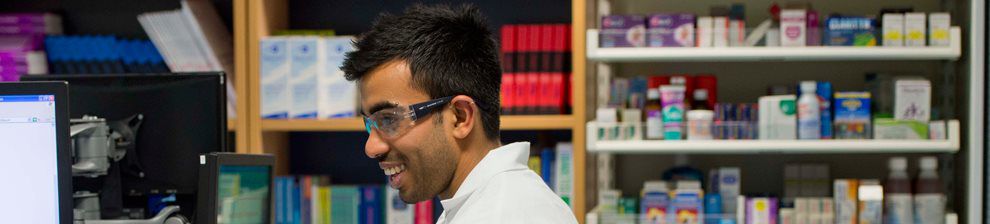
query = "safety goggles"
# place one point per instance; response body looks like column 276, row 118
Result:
column 394, row 122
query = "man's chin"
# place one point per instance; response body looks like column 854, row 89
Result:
column 411, row 199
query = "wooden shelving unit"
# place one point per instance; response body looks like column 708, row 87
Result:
column 262, row 17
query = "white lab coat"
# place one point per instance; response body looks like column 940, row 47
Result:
column 502, row 189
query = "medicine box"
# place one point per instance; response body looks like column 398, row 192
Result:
column 938, row 29
column 337, row 96
column 307, row 56
column 623, row 31
column 275, row 94
column 793, row 27
column 914, row 29
column 852, row 115
column 893, row 30
column 912, row 99
column 670, row 30
column 849, row 31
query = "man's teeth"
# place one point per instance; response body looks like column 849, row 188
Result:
column 394, row 170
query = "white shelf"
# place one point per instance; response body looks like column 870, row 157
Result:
column 819, row 53
column 950, row 145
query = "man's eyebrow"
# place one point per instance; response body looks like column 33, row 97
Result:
column 381, row 106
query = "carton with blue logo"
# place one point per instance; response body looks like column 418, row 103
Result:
column 337, row 96
column 307, row 54
column 275, row 94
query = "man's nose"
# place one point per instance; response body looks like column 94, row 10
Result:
column 375, row 147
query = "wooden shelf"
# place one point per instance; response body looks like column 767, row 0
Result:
column 509, row 122
column 814, row 53
column 950, row 145
column 231, row 124
column 341, row 124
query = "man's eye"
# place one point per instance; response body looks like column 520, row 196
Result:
column 388, row 120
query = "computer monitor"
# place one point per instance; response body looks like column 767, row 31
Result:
column 184, row 115
column 34, row 131
column 235, row 188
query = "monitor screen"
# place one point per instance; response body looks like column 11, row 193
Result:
column 29, row 136
column 243, row 194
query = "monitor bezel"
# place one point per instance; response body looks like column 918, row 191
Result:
column 209, row 175
column 63, row 145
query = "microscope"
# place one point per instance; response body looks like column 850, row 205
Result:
column 96, row 145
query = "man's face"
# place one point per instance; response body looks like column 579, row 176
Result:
column 423, row 158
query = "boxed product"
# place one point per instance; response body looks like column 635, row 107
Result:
column 793, row 27
column 886, row 128
column 870, row 203
column 893, row 30
column 938, row 29
column 720, row 31
column 275, row 94
column 670, row 30
column 846, row 201
column 852, row 115
column 937, row 130
column 914, row 29
column 705, row 31
column 761, row 210
column 777, row 119
column 912, row 99
column 337, row 96
column 623, row 31
column 849, row 31
column 305, row 71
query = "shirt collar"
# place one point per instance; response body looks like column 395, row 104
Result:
column 506, row 158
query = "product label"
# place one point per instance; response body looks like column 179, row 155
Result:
column 929, row 208
column 654, row 124
column 687, row 208
column 654, row 207
column 898, row 209
column 809, row 124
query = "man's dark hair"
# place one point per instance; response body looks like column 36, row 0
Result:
column 450, row 51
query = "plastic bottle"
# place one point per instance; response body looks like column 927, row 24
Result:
column 898, row 202
column 687, row 205
column 654, row 119
column 809, row 112
column 929, row 199
column 655, row 202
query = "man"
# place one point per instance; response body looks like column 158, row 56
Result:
column 429, row 82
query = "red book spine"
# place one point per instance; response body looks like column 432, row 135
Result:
column 508, row 68
column 424, row 212
column 546, row 89
column 533, row 73
column 557, row 70
column 568, row 81
column 521, row 84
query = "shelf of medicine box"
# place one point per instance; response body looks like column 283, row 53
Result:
column 753, row 146
column 810, row 53
column 509, row 122
column 614, row 217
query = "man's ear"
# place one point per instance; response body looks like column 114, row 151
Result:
column 464, row 112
